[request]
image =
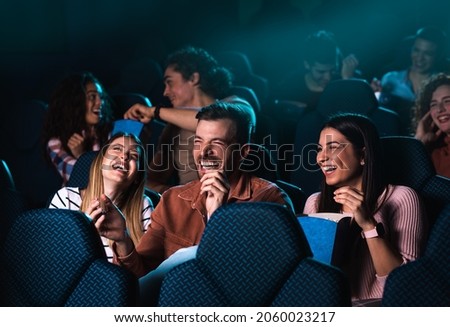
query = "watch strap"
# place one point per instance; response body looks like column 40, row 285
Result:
column 370, row 233
column 378, row 231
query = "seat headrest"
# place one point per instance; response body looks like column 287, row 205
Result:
column 259, row 162
column 50, row 249
column 30, row 117
column 347, row 95
column 439, row 242
column 237, row 62
column 407, row 161
column 234, row 227
column 260, row 243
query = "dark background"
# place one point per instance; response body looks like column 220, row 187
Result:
column 43, row 40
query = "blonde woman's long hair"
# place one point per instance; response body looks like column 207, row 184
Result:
column 130, row 201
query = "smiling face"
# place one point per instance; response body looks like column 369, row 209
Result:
column 120, row 163
column 94, row 102
column 181, row 92
column 215, row 146
column 340, row 162
column 423, row 56
column 320, row 74
column 440, row 108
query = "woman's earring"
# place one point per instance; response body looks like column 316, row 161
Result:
column 362, row 162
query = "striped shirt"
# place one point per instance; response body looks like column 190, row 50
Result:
column 405, row 224
column 63, row 161
column 70, row 198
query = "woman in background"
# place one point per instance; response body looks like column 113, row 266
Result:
column 79, row 119
column 399, row 88
column 432, row 121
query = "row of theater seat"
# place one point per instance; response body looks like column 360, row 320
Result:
column 251, row 254
column 408, row 164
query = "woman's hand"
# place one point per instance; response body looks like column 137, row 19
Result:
column 108, row 219
column 425, row 131
column 139, row 112
column 110, row 223
column 75, row 145
column 94, row 210
column 353, row 199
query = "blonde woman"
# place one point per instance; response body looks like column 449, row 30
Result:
column 118, row 171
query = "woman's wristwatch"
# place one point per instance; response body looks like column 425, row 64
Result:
column 378, row 231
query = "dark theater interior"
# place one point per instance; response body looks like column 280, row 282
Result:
column 385, row 53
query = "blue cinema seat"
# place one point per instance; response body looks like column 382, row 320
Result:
column 426, row 281
column 254, row 254
column 54, row 257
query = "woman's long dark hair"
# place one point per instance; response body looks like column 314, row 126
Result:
column 67, row 111
column 363, row 135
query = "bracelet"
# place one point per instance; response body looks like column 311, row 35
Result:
column 156, row 112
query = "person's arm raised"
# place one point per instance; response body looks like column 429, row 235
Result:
column 181, row 117
column 426, row 130
column 384, row 257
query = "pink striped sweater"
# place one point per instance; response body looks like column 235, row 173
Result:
column 405, row 224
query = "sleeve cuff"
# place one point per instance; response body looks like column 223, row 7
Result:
column 122, row 258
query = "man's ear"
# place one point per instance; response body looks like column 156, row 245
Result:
column 195, row 78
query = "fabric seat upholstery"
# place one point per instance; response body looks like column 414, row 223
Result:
column 259, row 162
column 13, row 202
column 408, row 163
column 254, row 254
column 60, row 262
column 426, row 281
column 34, row 176
column 80, row 172
column 240, row 66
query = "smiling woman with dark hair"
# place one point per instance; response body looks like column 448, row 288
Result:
column 388, row 221
column 399, row 88
column 79, row 119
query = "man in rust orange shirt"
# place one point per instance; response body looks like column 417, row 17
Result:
column 221, row 141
